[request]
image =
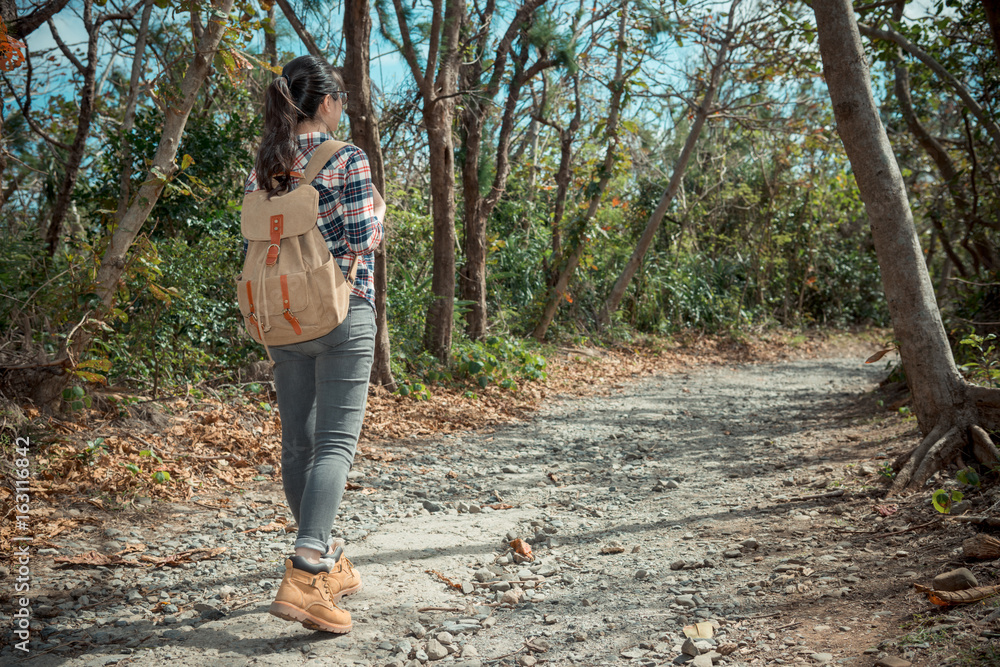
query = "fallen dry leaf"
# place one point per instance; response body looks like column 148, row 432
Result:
column 885, row 510
column 522, row 547
column 703, row 630
column 272, row 527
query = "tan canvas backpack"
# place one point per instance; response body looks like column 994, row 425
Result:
column 291, row 289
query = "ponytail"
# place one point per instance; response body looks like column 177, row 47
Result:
column 291, row 98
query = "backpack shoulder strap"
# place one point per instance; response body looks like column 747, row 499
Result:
column 319, row 159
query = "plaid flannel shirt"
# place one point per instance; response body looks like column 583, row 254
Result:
column 346, row 208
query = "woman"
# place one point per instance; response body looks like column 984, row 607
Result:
column 322, row 384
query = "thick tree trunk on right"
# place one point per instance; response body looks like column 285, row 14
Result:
column 950, row 412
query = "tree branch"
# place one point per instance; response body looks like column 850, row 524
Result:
column 435, row 34
column 25, row 108
column 973, row 106
column 409, row 53
column 300, row 29
column 25, row 25
column 65, row 49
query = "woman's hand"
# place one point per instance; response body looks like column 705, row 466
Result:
column 379, row 204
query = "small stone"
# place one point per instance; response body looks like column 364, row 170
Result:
column 892, row 661
column 677, row 565
column 467, row 588
column 750, row 544
column 701, row 661
column 475, row 509
column 483, row 575
column 822, row 658
column 418, row 630
column 511, row 597
column 640, row 574
column 435, row 651
column 956, row 580
column 689, row 648
column 633, row 653
column 732, row 553
column 445, row 638
column 527, row 661
column 686, row 601
column 432, row 506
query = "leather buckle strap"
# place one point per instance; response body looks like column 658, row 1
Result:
column 253, row 313
column 277, row 227
column 286, row 303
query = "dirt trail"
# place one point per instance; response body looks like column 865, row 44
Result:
column 691, row 485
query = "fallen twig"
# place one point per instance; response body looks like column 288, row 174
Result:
column 785, row 627
column 906, row 530
column 507, row 655
column 817, row 496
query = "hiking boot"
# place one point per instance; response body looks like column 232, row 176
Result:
column 343, row 578
column 308, row 594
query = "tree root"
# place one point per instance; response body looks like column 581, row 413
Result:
column 983, row 447
column 946, row 443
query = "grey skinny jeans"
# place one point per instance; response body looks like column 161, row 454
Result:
column 322, row 387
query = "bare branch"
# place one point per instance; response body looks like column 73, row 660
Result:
column 65, row 49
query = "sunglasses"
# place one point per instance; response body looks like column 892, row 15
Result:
column 340, row 95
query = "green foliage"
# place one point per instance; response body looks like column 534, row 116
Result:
column 981, row 359
column 943, row 500
column 94, row 450
column 969, row 477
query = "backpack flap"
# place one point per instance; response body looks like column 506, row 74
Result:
column 295, row 213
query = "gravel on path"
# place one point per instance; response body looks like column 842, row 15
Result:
column 660, row 506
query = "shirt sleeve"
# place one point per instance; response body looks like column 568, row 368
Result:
column 362, row 228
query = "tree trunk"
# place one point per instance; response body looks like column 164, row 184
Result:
column 948, row 410
column 438, row 328
column 564, row 176
column 653, row 224
column 125, row 185
column 439, row 110
column 558, row 291
column 472, row 277
column 48, row 389
column 365, row 134
column 77, row 149
column 992, row 10
column 271, row 39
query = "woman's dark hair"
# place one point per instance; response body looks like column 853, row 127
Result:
column 291, row 98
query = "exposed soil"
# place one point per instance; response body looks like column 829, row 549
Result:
column 748, row 496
